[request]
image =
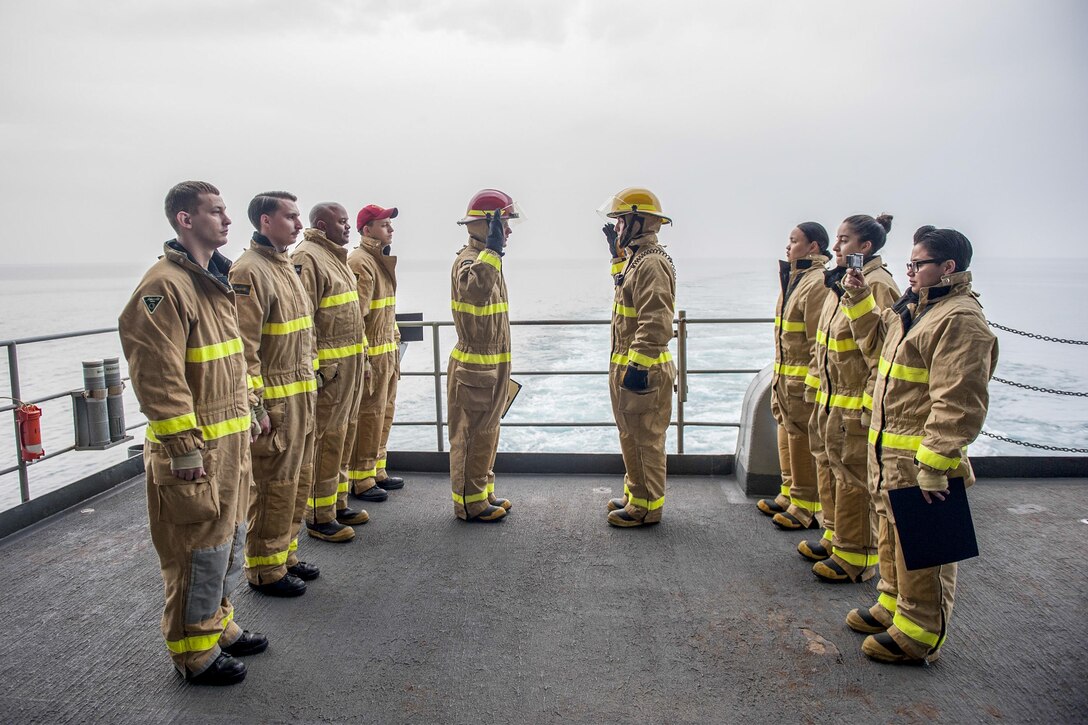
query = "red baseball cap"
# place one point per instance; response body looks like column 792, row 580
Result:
column 372, row 212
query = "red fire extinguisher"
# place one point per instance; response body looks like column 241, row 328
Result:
column 30, row 432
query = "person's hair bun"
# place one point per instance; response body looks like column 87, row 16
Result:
column 885, row 220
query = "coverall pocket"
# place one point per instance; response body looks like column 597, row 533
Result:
column 332, row 388
column 474, row 389
column 273, row 442
column 187, row 502
column 855, row 442
column 634, row 403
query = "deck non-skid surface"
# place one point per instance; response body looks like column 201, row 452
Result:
column 553, row 616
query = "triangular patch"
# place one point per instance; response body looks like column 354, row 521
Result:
column 152, row 303
column 298, row 269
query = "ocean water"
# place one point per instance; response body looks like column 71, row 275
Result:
column 1037, row 296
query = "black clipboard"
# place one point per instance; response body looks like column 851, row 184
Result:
column 513, row 387
column 932, row 534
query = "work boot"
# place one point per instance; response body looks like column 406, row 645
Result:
column 496, row 501
column 489, row 514
column 392, row 483
column 883, row 648
column 331, row 531
column 862, row 620
column 305, row 572
column 788, row 522
column 814, row 550
column 621, row 518
column 615, row 504
column 832, row 571
column 250, row 643
column 373, row 495
column 770, row 507
column 287, row 586
column 351, row 517
column 224, row 671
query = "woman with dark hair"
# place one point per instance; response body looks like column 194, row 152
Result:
column 837, row 430
column 929, row 402
column 792, row 397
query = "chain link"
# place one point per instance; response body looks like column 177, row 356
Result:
column 1036, row 336
column 1040, row 446
column 1038, row 389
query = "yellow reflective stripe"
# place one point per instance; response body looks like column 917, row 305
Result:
column 828, row 534
column 645, row 360
column 341, row 299
column 623, row 311
column 936, row 460
column 470, row 357
column 342, row 487
column 212, row 430
column 617, row 267
column 213, row 352
column 863, row 306
column 286, row 391
column 273, row 560
column 334, row 353
column 254, row 381
column 357, row 474
column 867, row 401
column 294, row 545
column 382, row 302
column 286, row 328
column 382, row 349
column 812, row 381
column 489, row 257
column 199, row 642
column 784, row 489
column 793, row 371
column 321, row 502
column 895, row 440
column 843, row 344
column 887, row 601
column 811, row 506
column 912, row 630
column 317, row 363
column 380, row 464
column 903, row 372
column 644, row 503
column 473, row 498
column 789, row 325
column 849, row 402
column 479, row 310
column 170, row 426
column 862, row 560
column 491, row 487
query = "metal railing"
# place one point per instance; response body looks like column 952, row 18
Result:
column 437, row 372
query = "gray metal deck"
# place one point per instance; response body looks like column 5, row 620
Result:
column 553, row 616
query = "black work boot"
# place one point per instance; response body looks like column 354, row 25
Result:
column 305, row 572
column 392, row 483
column 224, row 671
column 287, row 586
column 351, row 517
column 769, row 506
column 372, row 495
column 788, row 522
column 814, row 550
column 331, row 531
column 249, row 643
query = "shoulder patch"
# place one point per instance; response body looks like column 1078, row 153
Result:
column 298, row 269
column 151, row 302
column 241, row 289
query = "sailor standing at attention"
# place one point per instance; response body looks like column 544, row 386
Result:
column 185, row 356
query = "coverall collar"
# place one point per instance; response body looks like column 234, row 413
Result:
column 375, row 247
column 263, row 245
column 788, row 271
column 218, row 265
column 318, row 237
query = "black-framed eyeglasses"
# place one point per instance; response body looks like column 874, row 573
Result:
column 914, row 264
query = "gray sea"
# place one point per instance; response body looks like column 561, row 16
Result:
column 1043, row 297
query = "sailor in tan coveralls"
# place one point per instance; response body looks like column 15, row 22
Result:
column 180, row 336
column 642, row 373
column 277, row 331
column 321, row 258
column 376, row 274
column 479, row 368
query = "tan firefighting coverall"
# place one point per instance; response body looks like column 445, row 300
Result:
column 180, row 336
column 793, row 389
column 478, row 373
column 642, row 314
column 840, row 420
column 376, row 272
column 936, row 357
column 274, row 317
column 341, row 351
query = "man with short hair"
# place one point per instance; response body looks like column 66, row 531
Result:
column 277, row 332
column 321, row 259
column 180, row 336
column 376, row 272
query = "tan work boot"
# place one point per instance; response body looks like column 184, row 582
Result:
column 351, row 517
column 332, row 531
column 496, row 501
column 789, row 522
column 489, row 514
column 621, row 518
column 616, row 503
column 770, row 506
column 814, row 550
column 832, row 571
column 864, row 621
column 883, row 648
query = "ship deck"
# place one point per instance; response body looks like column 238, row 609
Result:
column 553, row 616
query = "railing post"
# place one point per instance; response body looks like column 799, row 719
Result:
column 681, row 376
column 17, row 393
column 437, row 385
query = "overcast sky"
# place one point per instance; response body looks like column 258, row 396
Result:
column 744, row 117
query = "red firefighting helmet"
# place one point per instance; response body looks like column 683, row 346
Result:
column 488, row 201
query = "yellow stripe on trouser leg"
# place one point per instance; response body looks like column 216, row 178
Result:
column 475, row 399
column 641, row 422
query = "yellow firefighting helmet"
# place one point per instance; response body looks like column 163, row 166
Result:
column 633, row 200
